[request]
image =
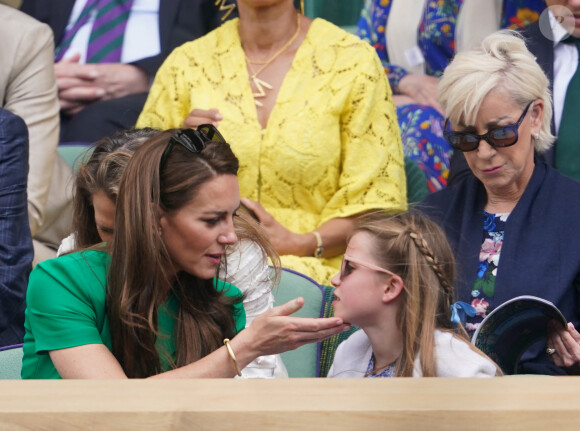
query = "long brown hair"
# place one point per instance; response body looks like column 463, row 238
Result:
column 102, row 172
column 138, row 281
column 416, row 249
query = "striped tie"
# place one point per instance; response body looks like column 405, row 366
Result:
column 106, row 40
column 70, row 34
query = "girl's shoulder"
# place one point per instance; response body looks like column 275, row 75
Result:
column 456, row 357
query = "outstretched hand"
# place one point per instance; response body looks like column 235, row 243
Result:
column 276, row 331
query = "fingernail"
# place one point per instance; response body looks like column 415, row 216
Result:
column 218, row 117
column 100, row 92
column 93, row 73
column 346, row 328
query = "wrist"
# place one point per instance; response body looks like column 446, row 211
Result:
column 305, row 245
column 243, row 348
column 319, row 249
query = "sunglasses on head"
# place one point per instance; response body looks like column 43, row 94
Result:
column 192, row 140
column 498, row 137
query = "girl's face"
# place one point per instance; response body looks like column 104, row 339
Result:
column 359, row 289
column 197, row 234
column 104, row 215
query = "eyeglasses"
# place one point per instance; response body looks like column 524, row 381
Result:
column 347, row 268
column 192, row 140
column 502, row 136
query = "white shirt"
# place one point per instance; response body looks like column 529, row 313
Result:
column 565, row 65
column 141, row 34
column 453, row 358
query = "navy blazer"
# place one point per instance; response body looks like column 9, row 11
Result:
column 179, row 21
column 540, row 253
column 16, row 250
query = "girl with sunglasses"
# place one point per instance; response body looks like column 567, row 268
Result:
column 513, row 224
column 149, row 304
column 396, row 285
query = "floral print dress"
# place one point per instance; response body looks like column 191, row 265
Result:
column 482, row 294
column 422, row 126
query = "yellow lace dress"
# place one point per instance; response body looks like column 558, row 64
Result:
column 331, row 147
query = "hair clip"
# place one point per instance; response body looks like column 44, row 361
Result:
column 460, row 310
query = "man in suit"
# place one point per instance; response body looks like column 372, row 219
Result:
column 98, row 99
column 559, row 60
column 16, row 251
column 28, row 89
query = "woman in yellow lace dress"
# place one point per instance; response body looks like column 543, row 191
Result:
column 309, row 113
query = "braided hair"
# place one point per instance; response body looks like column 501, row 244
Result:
column 416, row 249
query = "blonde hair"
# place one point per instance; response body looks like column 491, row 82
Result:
column 417, row 250
column 502, row 61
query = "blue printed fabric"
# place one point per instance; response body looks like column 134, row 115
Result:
column 483, row 290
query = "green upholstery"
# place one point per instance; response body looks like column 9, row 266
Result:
column 328, row 346
column 74, row 154
column 11, row 362
column 417, row 187
column 304, row 361
column 344, row 13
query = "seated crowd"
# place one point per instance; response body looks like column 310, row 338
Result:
column 225, row 140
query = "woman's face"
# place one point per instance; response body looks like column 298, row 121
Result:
column 104, row 215
column 358, row 289
column 504, row 171
column 197, row 234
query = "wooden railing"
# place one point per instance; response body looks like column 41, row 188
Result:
column 505, row 403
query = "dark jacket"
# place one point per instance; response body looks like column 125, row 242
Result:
column 16, row 250
column 540, row 253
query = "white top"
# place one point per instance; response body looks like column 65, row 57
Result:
column 248, row 270
column 454, row 358
column 565, row 64
column 141, row 34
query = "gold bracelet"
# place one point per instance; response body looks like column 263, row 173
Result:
column 319, row 247
column 231, row 353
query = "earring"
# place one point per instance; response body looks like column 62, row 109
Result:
column 302, row 6
column 536, row 136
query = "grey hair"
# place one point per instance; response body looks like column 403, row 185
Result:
column 503, row 62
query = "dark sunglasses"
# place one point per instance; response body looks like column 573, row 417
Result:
column 192, row 140
column 499, row 137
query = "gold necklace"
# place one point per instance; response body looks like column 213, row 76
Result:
column 261, row 85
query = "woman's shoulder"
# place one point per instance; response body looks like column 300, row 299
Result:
column 456, row 357
column 561, row 184
column 352, row 356
column 80, row 265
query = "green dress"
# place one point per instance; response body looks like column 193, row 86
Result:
column 66, row 308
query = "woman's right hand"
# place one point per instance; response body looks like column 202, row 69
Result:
column 276, row 331
column 202, row 116
column 566, row 342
